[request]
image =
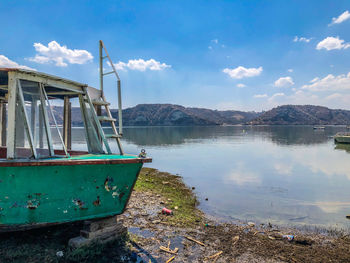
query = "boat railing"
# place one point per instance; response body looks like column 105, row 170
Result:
column 342, row 134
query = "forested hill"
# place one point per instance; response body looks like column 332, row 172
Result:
column 176, row 115
column 169, row 114
column 302, row 115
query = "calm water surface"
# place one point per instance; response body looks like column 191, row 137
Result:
column 290, row 175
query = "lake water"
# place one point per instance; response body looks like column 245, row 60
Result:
column 287, row 175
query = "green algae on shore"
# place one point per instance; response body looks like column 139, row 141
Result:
column 179, row 197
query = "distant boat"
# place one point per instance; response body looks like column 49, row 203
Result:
column 319, row 127
column 342, row 137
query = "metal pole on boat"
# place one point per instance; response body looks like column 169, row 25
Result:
column 101, row 66
column 26, row 124
column 3, row 123
column 33, row 120
column 120, row 117
column 11, row 123
column 67, row 123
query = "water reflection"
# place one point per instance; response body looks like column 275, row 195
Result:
column 286, row 174
column 285, row 135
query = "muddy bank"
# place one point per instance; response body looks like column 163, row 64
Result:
column 232, row 243
column 185, row 236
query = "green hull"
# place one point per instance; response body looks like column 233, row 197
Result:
column 44, row 194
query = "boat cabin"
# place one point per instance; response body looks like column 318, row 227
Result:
column 28, row 116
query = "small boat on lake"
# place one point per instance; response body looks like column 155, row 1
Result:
column 319, row 128
column 342, row 137
column 43, row 181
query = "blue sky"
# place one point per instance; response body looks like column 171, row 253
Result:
column 247, row 55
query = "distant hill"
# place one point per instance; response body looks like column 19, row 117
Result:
column 176, row 115
column 302, row 115
column 169, row 114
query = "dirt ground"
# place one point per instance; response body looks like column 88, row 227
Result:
column 187, row 235
column 236, row 243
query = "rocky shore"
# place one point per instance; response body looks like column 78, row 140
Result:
column 186, row 235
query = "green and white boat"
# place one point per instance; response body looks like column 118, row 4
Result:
column 43, row 184
column 342, row 137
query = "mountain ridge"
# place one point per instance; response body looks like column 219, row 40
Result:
column 177, row 115
column 302, row 115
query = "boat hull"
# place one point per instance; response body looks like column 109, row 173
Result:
column 342, row 139
column 48, row 194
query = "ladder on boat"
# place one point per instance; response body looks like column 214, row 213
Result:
column 100, row 101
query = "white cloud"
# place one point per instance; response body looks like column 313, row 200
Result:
column 314, row 80
column 260, row 96
column 284, row 82
column 283, row 168
column 302, row 39
column 242, row 72
column 241, row 175
column 141, row 65
column 60, row 55
column 329, row 83
column 290, row 70
column 216, row 41
column 340, row 19
column 330, row 43
column 276, row 95
column 241, row 85
column 210, row 47
column 333, row 96
column 118, row 66
column 7, row 63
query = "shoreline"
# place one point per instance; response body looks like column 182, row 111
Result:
column 187, row 235
column 244, row 242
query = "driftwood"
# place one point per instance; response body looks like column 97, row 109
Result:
column 194, row 240
column 166, row 249
column 170, row 259
column 215, row 255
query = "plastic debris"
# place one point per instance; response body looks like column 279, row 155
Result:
column 288, row 237
column 167, row 211
column 251, row 224
column 59, row 254
column 235, row 240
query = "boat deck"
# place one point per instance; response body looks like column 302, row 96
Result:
column 76, row 158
